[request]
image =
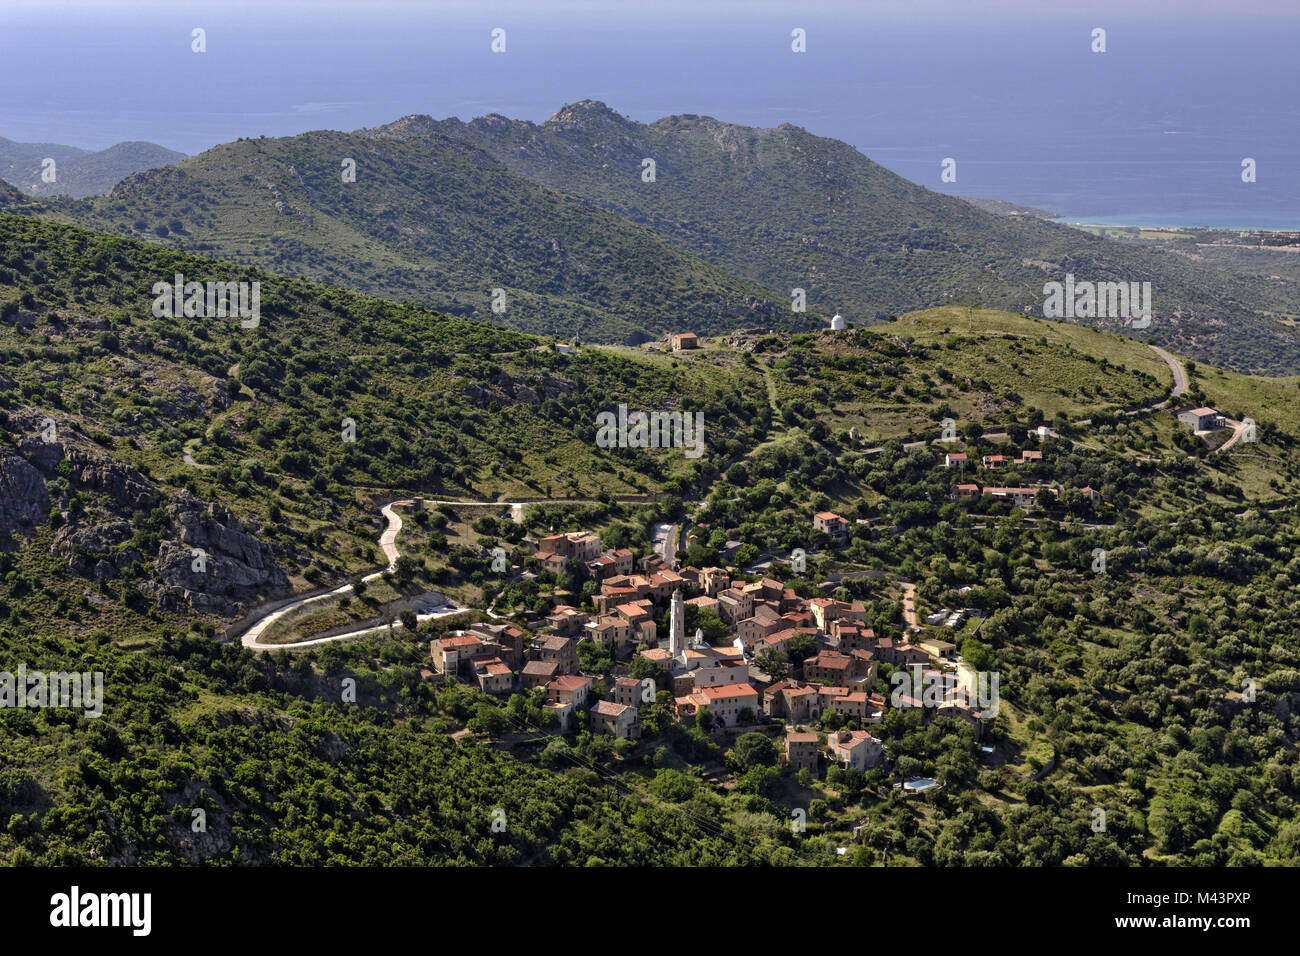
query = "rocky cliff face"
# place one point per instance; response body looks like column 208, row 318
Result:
column 206, row 559
column 24, row 500
column 97, row 550
column 212, row 564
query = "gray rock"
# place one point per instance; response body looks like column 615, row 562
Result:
column 88, row 547
column 24, row 500
column 120, row 482
column 236, row 566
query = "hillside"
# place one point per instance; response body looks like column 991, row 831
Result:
column 128, row 440
column 441, row 405
column 789, row 209
column 78, row 172
column 436, row 222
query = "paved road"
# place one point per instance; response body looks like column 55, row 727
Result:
column 252, row 638
column 388, row 540
column 1175, row 366
column 666, row 538
column 909, row 605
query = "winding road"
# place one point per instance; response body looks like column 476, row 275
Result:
column 1175, row 366
column 252, row 638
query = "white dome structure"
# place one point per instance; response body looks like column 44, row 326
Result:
column 837, row 323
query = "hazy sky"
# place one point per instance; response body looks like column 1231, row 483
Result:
column 1156, row 128
column 1174, row 9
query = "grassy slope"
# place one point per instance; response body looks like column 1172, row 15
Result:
column 443, row 406
column 434, row 222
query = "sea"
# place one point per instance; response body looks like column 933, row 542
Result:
column 1016, row 103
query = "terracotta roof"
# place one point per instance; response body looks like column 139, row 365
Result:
column 463, row 640
column 728, row 691
column 832, row 659
column 569, row 682
column 856, row 737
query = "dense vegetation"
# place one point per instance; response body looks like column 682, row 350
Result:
column 441, row 405
column 439, row 223
column 1163, row 691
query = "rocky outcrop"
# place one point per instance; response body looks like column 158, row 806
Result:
column 212, row 563
column 503, row 388
column 92, row 550
column 234, row 566
column 122, row 483
column 24, row 500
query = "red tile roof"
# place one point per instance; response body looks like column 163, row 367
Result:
column 729, row 691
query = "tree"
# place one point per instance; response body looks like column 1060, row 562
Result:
column 700, row 556
column 773, row 663
column 752, row 750
column 976, row 654
column 487, row 719
column 715, row 631
column 801, row 647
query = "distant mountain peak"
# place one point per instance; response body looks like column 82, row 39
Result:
column 587, row 113
column 412, row 124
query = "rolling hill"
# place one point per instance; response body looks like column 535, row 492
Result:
column 129, row 439
column 78, row 172
column 436, row 222
column 441, row 405
column 557, row 216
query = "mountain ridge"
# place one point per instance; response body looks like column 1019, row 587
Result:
column 789, row 209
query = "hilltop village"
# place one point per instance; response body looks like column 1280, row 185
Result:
column 802, row 670
column 775, row 663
